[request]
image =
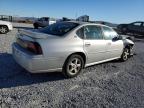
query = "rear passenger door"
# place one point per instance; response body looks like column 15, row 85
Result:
column 114, row 48
column 94, row 44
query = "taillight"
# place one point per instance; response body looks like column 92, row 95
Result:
column 34, row 47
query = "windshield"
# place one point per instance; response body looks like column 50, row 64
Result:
column 59, row 29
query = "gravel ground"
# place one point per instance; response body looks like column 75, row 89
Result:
column 113, row 84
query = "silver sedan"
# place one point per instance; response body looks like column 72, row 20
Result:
column 69, row 47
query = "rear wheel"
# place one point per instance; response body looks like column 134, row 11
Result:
column 4, row 29
column 125, row 54
column 73, row 66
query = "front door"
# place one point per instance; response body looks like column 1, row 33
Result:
column 114, row 48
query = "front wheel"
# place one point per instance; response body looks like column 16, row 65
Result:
column 125, row 54
column 73, row 66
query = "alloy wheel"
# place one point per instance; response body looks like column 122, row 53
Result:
column 3, row 29
column 125, row 54
column 74, row 66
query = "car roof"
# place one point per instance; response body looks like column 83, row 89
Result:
column 86, row 23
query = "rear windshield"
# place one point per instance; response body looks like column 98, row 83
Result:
column 59, row 29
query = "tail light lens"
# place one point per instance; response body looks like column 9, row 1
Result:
column 34, row 47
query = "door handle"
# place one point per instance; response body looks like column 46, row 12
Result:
column 87, row 44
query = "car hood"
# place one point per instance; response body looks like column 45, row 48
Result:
column 128, row 39
column 4, row 22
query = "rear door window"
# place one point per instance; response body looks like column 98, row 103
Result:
column 80, row 33
column 93, row 32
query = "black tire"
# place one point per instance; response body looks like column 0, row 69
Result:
column 125, row 55
column 73, row 66
column 4, row 29
column 35, row 26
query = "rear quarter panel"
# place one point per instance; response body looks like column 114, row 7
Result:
column 59, row 48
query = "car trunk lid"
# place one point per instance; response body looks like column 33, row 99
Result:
column 32, row 33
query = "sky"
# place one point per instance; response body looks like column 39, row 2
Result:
column 115, row 11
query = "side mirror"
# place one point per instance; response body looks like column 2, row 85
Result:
column 120, row 37
column 116, row 38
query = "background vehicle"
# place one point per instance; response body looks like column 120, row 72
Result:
column 84, row 18
column 134, row 28
column 5, row 26
column 69, row 47
column 43, row 22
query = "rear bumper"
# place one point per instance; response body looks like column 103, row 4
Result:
column 32, row 63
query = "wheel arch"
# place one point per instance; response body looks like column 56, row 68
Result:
column 4, row 25
column 129, row 46
column 78, row 53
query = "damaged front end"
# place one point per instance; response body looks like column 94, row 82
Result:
column 128, row 43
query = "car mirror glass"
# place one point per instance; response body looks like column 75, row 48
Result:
column 115, row 38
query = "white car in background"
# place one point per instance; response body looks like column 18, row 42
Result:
column 5, row 27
